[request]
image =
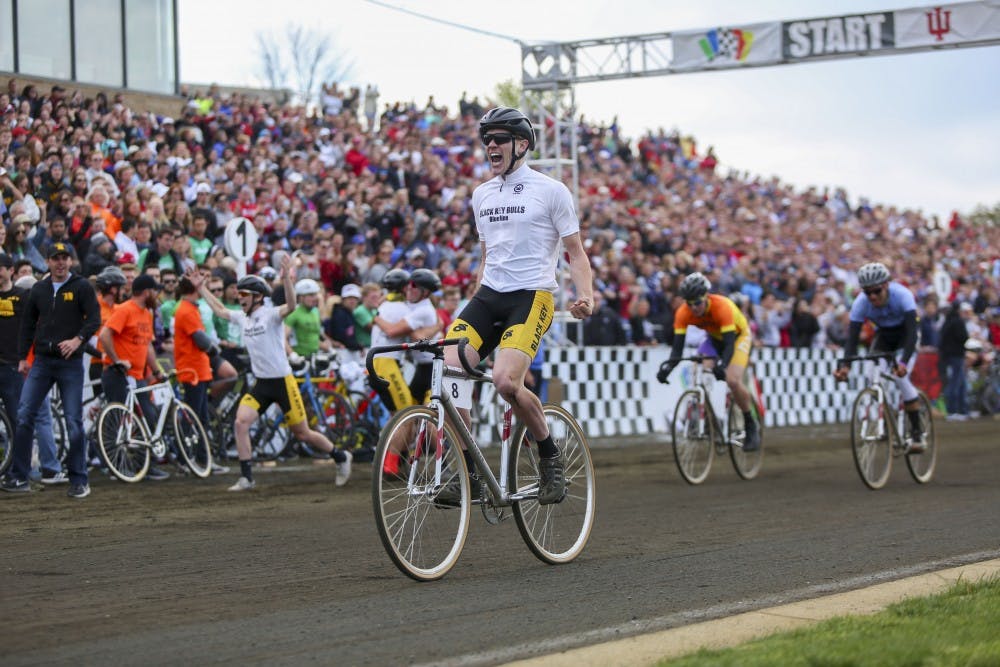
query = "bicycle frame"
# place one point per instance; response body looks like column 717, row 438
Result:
column 445, row 408
column 132, row 403
column 876, row 379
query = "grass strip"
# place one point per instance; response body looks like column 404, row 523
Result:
column 958, row 627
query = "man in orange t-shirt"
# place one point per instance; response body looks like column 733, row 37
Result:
column 127, row 341
column 191, row 350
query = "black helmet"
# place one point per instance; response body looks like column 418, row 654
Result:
column 110, row 276
column 426, row 279
column 396, row 280
column 694, row 287
column 253, row 284
column 506, row 118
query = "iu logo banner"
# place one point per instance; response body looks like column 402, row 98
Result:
column 940, row 25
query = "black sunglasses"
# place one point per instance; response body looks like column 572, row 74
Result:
column 499, row 139
column 872, row 290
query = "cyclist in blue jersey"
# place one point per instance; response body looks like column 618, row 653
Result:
column 892, row 308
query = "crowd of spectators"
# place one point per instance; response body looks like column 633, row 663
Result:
column 350, row 194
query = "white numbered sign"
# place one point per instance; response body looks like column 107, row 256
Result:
column 460, row 391
column 241, row 239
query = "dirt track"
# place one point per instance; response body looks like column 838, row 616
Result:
column 183, row 572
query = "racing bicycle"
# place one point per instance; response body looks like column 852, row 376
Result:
column 126, row 444
column 881, row 432
column 698, row 435
column 422, row 512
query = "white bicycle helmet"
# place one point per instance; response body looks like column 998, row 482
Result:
column 306, row 286
column 874, row 273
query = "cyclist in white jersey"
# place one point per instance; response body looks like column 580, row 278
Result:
column 522, row 217
column 263, row 333
column 892, row 308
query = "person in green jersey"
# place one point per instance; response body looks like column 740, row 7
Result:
column 364, row 314
column 303, row 331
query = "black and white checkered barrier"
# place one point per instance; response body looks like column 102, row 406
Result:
column 613, row 390
column 606, row 388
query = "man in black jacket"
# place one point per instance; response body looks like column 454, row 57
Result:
column 61, row 313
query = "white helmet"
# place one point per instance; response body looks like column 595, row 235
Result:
column 306, row 286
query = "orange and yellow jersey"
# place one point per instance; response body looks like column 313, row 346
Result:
column 721, row 316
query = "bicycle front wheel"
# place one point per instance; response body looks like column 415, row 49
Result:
column 6, row 442
column 747, row 464
column 192, row 442
column 871, row 442
column 123, row 442
column 922, row 465
column 422, row 523
column 693, row 434
column 555, row 533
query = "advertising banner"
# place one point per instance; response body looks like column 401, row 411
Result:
column 755, row 44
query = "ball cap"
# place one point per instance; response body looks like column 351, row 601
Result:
column 144, row 282
column 57, row 249
column 350, row 290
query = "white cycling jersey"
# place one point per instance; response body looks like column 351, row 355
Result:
column 521, row 220
column 421, row 315
column 390, row 311
column 264, row 339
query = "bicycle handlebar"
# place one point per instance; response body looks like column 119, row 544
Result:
column 875, row 356
column 428, row 345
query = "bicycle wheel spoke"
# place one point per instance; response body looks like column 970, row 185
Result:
column 692, row 438
column 422, row 534
column 555, row 533
column 921, row 465
column 870, row 440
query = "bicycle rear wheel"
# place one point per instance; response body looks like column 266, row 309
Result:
column 922, row 465
column 422, row 534
column 693, row 434
column 6, row 442
column 555, row 533
column 192, row 442
column 123, row 442
column 747, row 464
column 871, row 442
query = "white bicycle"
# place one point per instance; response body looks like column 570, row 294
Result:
column 422, row 511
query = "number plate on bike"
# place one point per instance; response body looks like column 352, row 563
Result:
column 460, row 391
column 162, row 395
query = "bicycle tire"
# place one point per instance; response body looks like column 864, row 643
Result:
column 337, row 414
column 747, row 464
column 871, row 439
column 191, row 440
column 422, row 537
column 693, row 436
column 555, row 533
column 6, row 442
column 123, row 442
column 921, row 466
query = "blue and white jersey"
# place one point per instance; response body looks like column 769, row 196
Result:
column 889, row 316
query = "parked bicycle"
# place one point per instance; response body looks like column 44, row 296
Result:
column 881, row 432
column 126, row 444
column 422, row 512
column 698, row 435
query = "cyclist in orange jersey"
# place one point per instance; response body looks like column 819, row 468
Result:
column 728, row 339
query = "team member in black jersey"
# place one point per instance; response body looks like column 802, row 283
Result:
column 522, row 217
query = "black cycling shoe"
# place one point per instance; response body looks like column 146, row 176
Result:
column 551, row 480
